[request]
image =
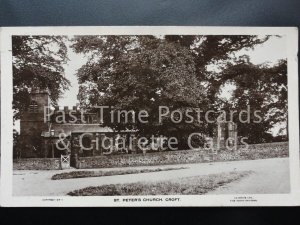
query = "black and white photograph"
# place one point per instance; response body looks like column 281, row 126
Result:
column 150, row 116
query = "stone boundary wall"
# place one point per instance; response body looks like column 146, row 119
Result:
column 37, row 164
column 256, row 151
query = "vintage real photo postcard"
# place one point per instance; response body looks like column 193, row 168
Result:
column 149, row 116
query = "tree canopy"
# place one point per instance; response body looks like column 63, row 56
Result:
column 38, row 63
column 181, row 72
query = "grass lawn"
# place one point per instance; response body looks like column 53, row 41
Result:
column 195, row 185
column 83, row 174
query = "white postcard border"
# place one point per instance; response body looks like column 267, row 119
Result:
column 7, row 199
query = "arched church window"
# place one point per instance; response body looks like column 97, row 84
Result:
column 33, row 107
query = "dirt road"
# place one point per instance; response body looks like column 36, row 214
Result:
column 269, row 176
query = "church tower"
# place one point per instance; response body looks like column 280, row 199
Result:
column 32, row 123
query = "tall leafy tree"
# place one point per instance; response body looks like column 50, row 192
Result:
column 37, row 63
column 181, row 72
column 140, row 73
column 263, row 89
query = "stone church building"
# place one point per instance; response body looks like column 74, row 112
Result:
column 40, row 134
column 35, row 127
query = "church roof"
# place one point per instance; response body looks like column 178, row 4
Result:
column 76, row 128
